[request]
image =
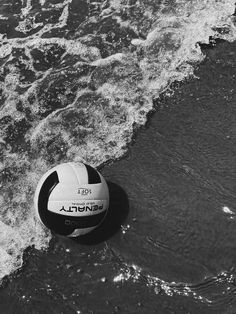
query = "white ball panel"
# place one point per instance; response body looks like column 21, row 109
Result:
column 66, row 174
column 80, row 171
column 105, row 190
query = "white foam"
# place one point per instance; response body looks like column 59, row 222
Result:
column 108, row 60
column 42, row 2
column 227, row 210
column 65, row 13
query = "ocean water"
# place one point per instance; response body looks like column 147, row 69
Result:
column 77, row 80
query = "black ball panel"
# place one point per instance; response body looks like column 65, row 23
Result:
column 93, row 175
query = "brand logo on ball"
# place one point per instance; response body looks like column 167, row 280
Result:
column 83, row 191
column 75, row 209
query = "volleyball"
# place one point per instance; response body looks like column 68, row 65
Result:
column 71, row 199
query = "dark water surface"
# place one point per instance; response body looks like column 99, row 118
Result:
column 174, row 195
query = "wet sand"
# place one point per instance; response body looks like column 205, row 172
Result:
column 174, row 195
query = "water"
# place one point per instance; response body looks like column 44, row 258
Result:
column 77, row 80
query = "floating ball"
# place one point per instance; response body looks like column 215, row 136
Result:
column 71, row 199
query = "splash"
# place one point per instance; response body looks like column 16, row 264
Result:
column 75, row 84
column 214, row 291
